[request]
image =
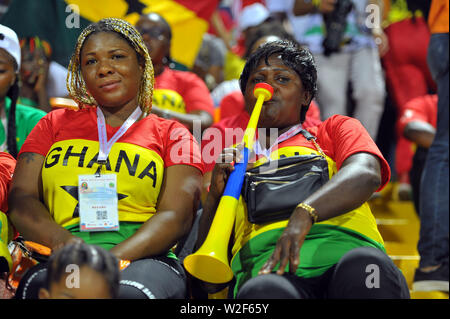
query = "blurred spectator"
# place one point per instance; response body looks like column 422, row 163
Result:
column 433, row 272
column 17, row 120
column 417, row 123
column 41, row 77
column 248, row 20
column 34, row 71
column 265, row 32
column 406, row 71
column 346, row 54
column 178, row 95
column 222, row 25
column 210, row 61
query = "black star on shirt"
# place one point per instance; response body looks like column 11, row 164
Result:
column 73, row 191
column 134, row 6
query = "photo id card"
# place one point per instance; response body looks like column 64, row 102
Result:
column 98, row 202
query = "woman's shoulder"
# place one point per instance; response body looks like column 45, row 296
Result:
column 65, row 119
column 338, row 118
column 339, row 122
column 62, row 114
column 338, row 129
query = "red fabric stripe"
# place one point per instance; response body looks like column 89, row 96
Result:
column 203, row 8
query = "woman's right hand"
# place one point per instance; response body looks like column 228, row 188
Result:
column 222, row 170
column 219, row 177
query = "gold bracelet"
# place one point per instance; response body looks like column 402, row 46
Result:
column 311, row 211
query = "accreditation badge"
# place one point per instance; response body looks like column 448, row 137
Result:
column 97, row 196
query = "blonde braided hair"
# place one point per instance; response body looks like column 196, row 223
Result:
column 75, row 82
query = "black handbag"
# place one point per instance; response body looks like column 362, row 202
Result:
column 272, row 190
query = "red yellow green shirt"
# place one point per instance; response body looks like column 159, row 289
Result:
column 339, row 137
column 69, row 141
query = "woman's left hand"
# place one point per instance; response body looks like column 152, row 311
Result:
column 288, row 245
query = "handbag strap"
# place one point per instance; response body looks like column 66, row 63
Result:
column 312, row 139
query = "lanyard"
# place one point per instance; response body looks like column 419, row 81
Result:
column 105, row 145
column 259, row 150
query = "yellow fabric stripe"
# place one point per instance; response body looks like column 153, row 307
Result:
column 3, row 228
column 139, row 170
column 4, row 234
column 398, row 12
column 169, row 100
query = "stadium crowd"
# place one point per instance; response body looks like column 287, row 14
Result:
column 118, row 161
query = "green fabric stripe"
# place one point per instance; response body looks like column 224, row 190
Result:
column 26, row 118
column 26, row 101
column 323, row 247
column 108, row 239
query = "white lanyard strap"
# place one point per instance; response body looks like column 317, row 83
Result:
column 105, row 145
column 259, row 150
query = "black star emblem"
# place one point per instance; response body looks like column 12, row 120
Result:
column 134, row 6
column 73, row 191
